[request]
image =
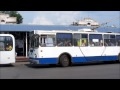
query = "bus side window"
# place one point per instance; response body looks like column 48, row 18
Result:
column 118, row 43
column 118, row 40
column 78, row 43
column 83, row 42
column 84, row 39
column 105, row 44
column 74, row 42
column 64, row 39
column 2, row 48
column 49, row 42
column 91, row 43
column 43, row 41
column 109, row 40
column 67, row 43
column 101, row 43
column 60, row 43
column 95, row 39
column 110, row 43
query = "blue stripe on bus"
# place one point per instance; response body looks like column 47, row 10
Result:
column 46, row 60
column 95, row 58
column 77, row 59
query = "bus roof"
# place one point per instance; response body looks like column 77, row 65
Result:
column 29, row 28
column 71, row 31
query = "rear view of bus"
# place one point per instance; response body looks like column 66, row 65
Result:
column 7, row 49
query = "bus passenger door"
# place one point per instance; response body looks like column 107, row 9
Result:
column 34, row 46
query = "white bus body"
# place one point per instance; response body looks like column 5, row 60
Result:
column 7, row 49
column 45, row 47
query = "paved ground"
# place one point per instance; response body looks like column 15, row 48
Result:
column 23, row 70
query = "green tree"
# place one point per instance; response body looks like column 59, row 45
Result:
column 14, row 14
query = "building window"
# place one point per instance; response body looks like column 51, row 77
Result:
column 88, row 23
column 2, row 20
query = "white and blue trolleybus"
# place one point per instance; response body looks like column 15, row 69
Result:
column 66, row 47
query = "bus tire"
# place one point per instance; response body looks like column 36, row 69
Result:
column 119, row 57
column 64, row 61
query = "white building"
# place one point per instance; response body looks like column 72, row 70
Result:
column 6, row 19
column 86, row 22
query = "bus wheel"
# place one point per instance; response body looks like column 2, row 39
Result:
column 64, row 61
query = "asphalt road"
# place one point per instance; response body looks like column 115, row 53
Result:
column 23, row 70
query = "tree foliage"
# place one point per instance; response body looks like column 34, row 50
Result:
column 14, row 14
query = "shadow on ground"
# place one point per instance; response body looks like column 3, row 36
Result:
column 73, row 65
column 6, row 65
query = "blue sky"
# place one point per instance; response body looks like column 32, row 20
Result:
column 67, row 17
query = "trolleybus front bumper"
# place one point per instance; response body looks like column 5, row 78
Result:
column 34, row 61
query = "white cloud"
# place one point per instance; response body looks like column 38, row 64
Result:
column 55, row 17
column 41, row 21
column 67, row 17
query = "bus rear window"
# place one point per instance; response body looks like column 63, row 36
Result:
column 6, row 43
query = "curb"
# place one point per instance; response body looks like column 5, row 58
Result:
column 22, row 61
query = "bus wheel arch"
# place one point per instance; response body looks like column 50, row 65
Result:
column 65, row 59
